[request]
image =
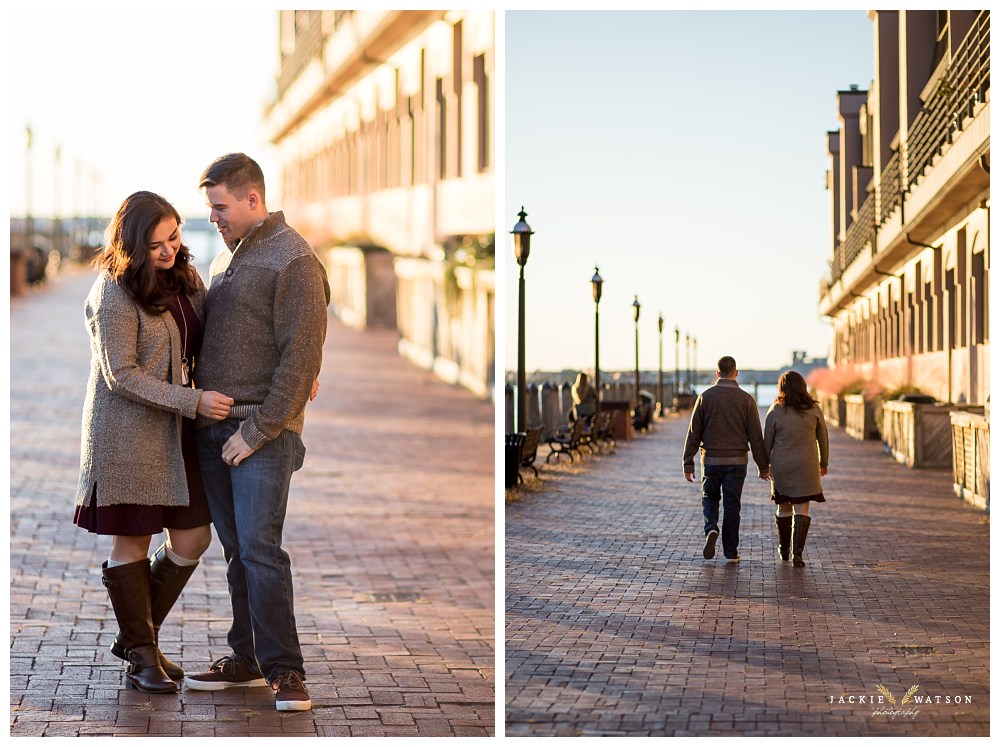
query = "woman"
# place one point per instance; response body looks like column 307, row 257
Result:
column 798, row 448
column 584, row 398
column 138, row 468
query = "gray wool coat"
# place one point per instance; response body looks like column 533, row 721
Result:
column 797, row 444
column 131, row 442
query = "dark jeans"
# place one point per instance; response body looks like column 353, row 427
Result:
column 248, row 505
column 725, row 482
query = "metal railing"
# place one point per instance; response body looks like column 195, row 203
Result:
column 860, row 233
column 960, row 91
column 890, row 188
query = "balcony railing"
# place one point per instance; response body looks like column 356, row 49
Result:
column 956, row 98
column 890, row 188
column 963, row 87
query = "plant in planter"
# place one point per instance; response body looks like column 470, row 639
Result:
column 894, row 394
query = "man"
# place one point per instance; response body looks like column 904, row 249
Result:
column 263, row 340
column 723, row 422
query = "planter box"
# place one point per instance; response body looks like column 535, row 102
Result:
column 834, row 409
column 970, row 447
column 919, row 435
column 621, row 419
column 860, row 417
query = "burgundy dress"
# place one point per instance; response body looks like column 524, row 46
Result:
column 133, row 520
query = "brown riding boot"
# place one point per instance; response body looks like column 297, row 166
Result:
column 128, row 587
column 800, row 528
column 784, row 524
column 167, row 580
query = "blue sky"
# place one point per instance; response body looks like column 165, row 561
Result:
column 684, row 153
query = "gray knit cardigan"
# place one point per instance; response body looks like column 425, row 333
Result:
column 797, row 445
column 131, row 444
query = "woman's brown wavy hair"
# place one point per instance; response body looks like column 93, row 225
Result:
column 793, row 392
column 126, row 253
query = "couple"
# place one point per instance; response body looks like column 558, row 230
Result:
column 171, row 445
column 793, row 452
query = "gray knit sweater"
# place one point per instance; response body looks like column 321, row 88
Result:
column 131, row 438
column 265, row 323
column 723, row 423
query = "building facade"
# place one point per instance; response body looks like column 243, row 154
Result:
column 384, row 127
column 908, row 289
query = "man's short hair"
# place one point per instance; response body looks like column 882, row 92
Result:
column 237, row 172
column 727, row 365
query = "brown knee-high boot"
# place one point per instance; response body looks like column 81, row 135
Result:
column 800, row 528
column 167, row 580
column 784, row 524
column 128, row 588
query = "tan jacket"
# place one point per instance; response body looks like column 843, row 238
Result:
column 131, row 445
column 797, row 445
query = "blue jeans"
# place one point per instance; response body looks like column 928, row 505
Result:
column 248, row 505
column 725, row 482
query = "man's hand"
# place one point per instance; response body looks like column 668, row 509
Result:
column 235, row 450
column 764, row 474
column 822, row 471
column 689, row 476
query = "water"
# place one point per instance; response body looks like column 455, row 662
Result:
column 765, row 393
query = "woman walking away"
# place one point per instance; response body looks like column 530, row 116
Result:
column 798, row 448
column 138, row 469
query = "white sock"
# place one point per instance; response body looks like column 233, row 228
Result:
column 113, row 563
column 177, row 559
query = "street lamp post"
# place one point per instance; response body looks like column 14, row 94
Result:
column 677, row 367
column 29, row 228
column 687, row 361
column 635, row 312
column 596, row 282
column 659, row 394
column 694, row 357
column 522, row 246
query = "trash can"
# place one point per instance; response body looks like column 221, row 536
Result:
column 513, row 443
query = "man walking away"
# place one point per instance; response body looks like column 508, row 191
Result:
column 723, row 423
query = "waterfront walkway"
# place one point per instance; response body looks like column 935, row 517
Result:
column 616, row 625
column 390, row 530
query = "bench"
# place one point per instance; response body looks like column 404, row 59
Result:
column 529, row 451
column 565, row 441
column 605, row 429
column 589, row 437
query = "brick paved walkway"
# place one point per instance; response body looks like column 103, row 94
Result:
column 617, row 626
column 390, row 530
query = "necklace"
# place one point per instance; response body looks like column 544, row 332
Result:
column 185, row 367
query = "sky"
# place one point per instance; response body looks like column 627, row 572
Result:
column 135, row 99
column 685, row 154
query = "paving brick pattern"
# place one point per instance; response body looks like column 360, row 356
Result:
column 390, row 529
column 616, row 625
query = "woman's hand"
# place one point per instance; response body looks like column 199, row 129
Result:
column 315, row 390
column 214, row 405
column 822, row 471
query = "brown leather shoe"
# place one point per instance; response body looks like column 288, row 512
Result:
column 229, row 671
column 290, row 692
